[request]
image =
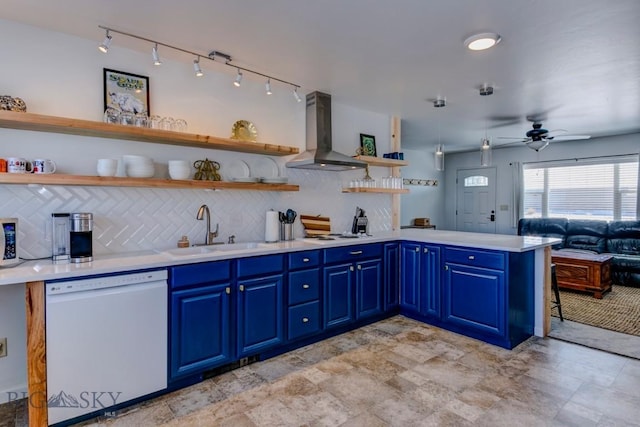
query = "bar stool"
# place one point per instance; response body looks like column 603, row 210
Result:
column 554, row 286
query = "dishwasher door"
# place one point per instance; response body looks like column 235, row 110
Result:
column 105, row 346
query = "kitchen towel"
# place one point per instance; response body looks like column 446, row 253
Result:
column 272, row 227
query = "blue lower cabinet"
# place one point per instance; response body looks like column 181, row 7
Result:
column 410, row 276
column 303, row 320
column 260, row 312
column 391, row 282
column 338, row 295
column 430, row 278
column 200, row 330
column 369, row 288
column 475, row 299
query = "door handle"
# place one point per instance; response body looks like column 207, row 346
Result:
column 492, row 217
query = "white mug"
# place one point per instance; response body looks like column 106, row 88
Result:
column 107, row 167
column 18, row 165
column 43, row 166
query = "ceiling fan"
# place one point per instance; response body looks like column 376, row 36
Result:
column 539, row 137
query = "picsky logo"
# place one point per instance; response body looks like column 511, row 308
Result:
column 86, row 399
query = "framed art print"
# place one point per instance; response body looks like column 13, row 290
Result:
column 368, row 145
column 126, row 92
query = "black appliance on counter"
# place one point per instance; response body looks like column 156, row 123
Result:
column 360, row 222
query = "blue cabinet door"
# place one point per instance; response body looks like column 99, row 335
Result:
column 369, row 288
column 410, row 276
column 260, row 312
column 391, row 282
column 338, row 294
column 430, row 286
column 475, row 299
column 200, row 327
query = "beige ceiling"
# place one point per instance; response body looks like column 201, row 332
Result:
column 574, row 63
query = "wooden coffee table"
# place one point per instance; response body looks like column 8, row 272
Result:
column 583, row 271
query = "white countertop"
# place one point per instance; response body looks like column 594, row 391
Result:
column 32, row 271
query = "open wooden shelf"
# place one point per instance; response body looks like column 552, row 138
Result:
column 109, row 181
column 42, row 123
column 381, row 161
column 376, row 190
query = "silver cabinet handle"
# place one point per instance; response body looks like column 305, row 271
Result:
column 359, row 267
column 305, row 260
column 227, row 290
column 241, row 288
column 305, row 320
column 417, row 249
column 351, row 267
column 356, row 252
column 471, row 257
column 446, row 267
column 305, row 286
column 426, row 250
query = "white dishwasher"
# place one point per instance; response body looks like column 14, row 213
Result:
column 106, row 341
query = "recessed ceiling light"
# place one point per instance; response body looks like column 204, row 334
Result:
column 482, row 41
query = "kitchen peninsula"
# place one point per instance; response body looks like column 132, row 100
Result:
column 507, row 272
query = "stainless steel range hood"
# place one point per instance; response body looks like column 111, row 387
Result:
column 319, row 153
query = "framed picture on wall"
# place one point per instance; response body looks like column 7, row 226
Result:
column 126, row 92
column 368, row 145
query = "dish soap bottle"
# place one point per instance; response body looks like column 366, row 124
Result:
column 183, row 242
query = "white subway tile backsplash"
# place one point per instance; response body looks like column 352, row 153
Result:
column 133, row 219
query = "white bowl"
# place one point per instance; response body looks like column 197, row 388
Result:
column 182, row 174
column 107, row 171
column 179, row 163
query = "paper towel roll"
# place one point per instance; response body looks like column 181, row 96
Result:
column 272, row 227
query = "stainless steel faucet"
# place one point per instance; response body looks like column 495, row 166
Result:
column 202, row 212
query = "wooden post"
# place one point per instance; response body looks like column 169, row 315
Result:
column 36, row 354
column 395, row 171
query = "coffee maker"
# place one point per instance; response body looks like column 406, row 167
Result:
column 72, row 237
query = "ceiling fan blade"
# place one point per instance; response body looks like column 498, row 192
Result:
column 569, row 137
column 518, row 138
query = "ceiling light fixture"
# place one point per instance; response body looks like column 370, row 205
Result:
column 537, row 144
column 238, row 79
column 296, row 95
column 104, row 46
column 482, row 41
column 196, row 67
column 213, row 56
column 155, row 55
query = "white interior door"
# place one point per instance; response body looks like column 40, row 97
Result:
column 476, row 200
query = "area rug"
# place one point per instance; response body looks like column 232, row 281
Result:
column 618, row 310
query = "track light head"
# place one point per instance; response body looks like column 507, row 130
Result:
column 296, row 95
column 439, row 102
column 104, row 46
column 238, row 79
column 155, row 55
column 196, row 67
column 267, row 87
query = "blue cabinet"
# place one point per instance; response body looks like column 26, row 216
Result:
column 391, row 283
column 199, row 318
column 353, row 289
column 260, row 304
column 303, row 295
column 420, row 279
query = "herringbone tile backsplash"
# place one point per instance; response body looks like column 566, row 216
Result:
column 136, row 219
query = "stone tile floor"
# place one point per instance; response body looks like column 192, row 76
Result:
column 405, row 373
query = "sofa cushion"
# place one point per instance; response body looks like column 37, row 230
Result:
column 626, row 262
column 544, row 227
column 587, row 235
column 624, row 237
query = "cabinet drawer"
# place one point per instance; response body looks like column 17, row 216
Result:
column 478, row 258
column 260, row 265
column 355, row 252
column 304, row 286
column 187, row 275
column 304, row 319
column 304, row 259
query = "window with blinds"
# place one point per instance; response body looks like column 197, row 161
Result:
column 583, row 189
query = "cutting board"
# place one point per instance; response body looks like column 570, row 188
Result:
column 316, row 225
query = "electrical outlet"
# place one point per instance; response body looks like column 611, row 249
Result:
column 3, row 347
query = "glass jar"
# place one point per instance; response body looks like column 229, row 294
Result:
column 127, row 118
column 111, row 115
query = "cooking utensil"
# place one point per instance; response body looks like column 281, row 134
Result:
column 291, row 216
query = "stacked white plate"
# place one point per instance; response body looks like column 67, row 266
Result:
column 138, row 166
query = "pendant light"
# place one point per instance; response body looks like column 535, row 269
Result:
column 439, row 153
column 485, row 143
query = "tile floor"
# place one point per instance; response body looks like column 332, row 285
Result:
column 402, row 372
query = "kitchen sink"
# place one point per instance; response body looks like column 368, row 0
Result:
column 198, row 251
column 237, row 246
column 192, row 251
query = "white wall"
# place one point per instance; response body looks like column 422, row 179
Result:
column 422, row 201
column 623, row 144
column 61, row 75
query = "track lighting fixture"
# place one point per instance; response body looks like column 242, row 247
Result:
column 104, row 46
column 238, row 79
column 296, row 95
column 196, row 67
column 439, row 102
column 214, row 55
column 155, row 55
